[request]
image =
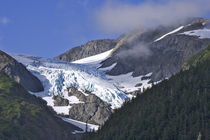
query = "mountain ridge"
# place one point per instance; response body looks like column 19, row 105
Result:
column 86, row 50
column 19, row 73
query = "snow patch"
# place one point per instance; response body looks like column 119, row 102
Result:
column 95, row 59
column 64, row 110
column 172, row 32
column 127, row 83
column 131, row 96
column 73, row 99
column 201, row 33
column 82, row 125
column 108, row 68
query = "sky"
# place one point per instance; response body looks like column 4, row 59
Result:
column 48, row 28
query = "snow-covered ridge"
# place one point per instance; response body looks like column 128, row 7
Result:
column 172, row 32
column 57, row 76
column 128, row 83
column 201, row 33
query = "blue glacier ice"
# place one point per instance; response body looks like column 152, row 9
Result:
column 57, row 76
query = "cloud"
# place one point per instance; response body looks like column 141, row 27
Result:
column 140, row 50
column 118, row 18
column 4, row 20
column 136, row 49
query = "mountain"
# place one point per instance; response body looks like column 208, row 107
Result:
column 26, row 117
column 152, row 54
column 89, row 49
column 160, row 54
column 177, row 108
column 19, row 73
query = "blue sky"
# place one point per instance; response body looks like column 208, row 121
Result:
column 48, row 28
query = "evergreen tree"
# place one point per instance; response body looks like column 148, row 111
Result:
column 175, row 109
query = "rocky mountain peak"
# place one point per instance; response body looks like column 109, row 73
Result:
column 89, row 49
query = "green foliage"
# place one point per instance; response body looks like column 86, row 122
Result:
column 25, row 117
column 200, row 57
column 175, row 109
column 5, row 59
column 12, row 105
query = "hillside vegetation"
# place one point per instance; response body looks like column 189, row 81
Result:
column 25, row 117
column 175, row 109
column 19, row 73
column 200, row 57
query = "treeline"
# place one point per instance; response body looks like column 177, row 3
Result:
column 175, row 109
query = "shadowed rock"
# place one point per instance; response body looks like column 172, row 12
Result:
column 60, row 101
column 19, row 73
column 93, row 110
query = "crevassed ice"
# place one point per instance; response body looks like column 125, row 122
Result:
column 57, row 76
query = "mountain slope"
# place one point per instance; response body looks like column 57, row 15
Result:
column 19, row 73
column 159, row 52
column 25, row 117
column 177, row 108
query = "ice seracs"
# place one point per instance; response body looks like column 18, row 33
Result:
column 57, row 76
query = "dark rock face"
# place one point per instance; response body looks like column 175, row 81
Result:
column 19, row 73
column 89, row 49
column 93, row 110
column 72, row 91
column 138, row 85
column 163, row 58
column 60, row 101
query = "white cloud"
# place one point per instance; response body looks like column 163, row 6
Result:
column 4, row 20
column 117, row 17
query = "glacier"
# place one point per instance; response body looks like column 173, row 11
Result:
column 57, row 76
column 125, row 82
column 84, row 74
